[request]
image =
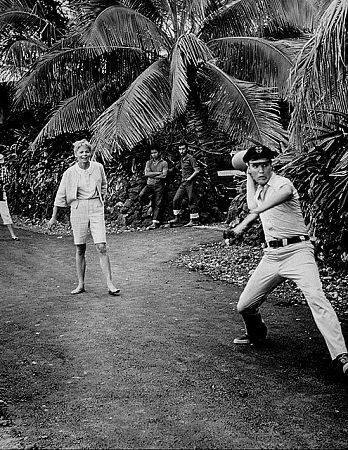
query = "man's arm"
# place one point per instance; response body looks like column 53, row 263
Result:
column 282, row 195
column 195, row 168
column 241, row 227
column 148, row 173
column 251, row 191
column 163, row 174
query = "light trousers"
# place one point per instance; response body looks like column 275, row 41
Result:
column 5, row 213
column 294, row 262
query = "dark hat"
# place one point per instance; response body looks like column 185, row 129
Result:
column 258, row 152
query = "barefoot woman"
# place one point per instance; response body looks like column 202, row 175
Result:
column 83, row 188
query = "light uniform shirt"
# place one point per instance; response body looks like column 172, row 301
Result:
column 86, row 185
column 284, row 220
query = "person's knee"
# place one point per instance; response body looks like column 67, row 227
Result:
column 240, row 308
column 242, row 304
column 101, row 248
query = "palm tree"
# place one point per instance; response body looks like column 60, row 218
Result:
column 319, row 82
column 319, row 126
column 126, row 69
column 27, row 30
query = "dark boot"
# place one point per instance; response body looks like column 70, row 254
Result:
column 256, row 330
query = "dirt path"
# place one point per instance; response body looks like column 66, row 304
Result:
column 155, row 367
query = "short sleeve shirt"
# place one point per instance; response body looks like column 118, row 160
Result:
column 284, row 220
column 86, row 186
column 188, row 166
column 155, row 166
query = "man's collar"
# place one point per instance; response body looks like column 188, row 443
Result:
column 270, row 182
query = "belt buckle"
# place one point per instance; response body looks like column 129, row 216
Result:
column 284, row 242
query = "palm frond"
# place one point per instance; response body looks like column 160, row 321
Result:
column 179, row 80
column 255, row 59
column 242, row 109
column 120, row 26
column 74, row 114
column 65, row 72
column 153, row 10
column 23, row 52
column 22, row 17
column 193, row 15
column 319, row 78
column 188, row 52
column 259, row 18
column 142, row 109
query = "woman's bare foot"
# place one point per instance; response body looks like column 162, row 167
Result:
column 78, row 290
column 112, row 289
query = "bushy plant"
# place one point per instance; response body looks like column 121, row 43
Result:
column 320, row 174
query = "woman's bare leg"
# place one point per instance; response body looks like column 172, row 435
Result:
column 105, row 266
column 80, row 268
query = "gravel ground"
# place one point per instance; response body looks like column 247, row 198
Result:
column 235, row 263
column 231, row 264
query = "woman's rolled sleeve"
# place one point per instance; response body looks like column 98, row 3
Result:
column 104, row 183
column 60, row 199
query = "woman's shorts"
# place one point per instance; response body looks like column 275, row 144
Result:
column 86, row 214
column 5, row 213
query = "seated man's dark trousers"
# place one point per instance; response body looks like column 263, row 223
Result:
column 156, row 194
column 188, row 188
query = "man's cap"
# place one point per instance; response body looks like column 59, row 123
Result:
column 2, row 158
column 258, row 152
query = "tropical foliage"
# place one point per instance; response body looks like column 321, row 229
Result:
column 27, row 29
column 319, row 127
column 125, row 70
column 122, row 71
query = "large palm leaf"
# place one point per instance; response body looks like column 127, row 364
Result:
column 319, row 79
column 266, row 62
column 74, row 114
column 66, row 72
column 120, row 26
column 178, row 32
column 241, row 109
column 140, row 111
column 26, row 20
column 259, row 18
column 188, row 52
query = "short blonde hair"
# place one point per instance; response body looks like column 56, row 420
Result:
column 82, row 143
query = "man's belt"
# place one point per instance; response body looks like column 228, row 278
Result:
column 287, row 241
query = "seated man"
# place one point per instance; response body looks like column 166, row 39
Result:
column 189, row 171
column 156, row 170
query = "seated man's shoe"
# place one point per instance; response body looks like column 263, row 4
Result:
column 342, row 360
column 174, row 221
column 153, row 226
column 192, row 223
